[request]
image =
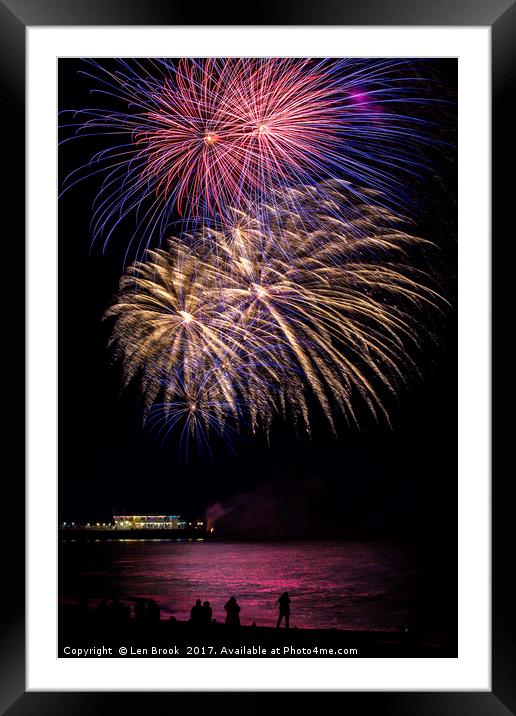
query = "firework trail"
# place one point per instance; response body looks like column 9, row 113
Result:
column 195, row 409
column 234, row 324
column 190, row 138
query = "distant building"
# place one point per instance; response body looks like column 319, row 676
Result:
column 191, row 524
column 139, row 522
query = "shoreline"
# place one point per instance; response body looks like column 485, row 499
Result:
column 83, row 629
column 79, row 534
column 74, row 534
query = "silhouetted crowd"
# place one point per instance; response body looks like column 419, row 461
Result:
column 113, row 611
column 147, row 611
column 201, row 613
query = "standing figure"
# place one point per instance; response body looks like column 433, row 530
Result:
column 232, row 612
column 140, row 610
column 284, row 609
column 196, row 613
column 207, row 613
column 153, row 611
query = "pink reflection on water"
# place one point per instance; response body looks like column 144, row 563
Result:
column 331, row 584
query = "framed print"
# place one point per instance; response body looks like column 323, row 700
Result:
column 258, row 363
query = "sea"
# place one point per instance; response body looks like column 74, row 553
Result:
column 331, row 584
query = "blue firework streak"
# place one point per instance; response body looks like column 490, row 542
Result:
column 190, row 139
column 202, row 403
column 197, row 413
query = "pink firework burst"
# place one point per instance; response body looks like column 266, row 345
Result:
column 224, row 132
column 189, row 140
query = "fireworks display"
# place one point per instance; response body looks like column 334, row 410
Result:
column 239, row 329
column 272, row 275
column 190, row 138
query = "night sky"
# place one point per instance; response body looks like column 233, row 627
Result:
column 399, row 481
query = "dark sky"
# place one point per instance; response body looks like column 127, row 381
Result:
column 400, row 480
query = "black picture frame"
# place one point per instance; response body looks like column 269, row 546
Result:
column 500, row 15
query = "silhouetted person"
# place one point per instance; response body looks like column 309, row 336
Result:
column 284, row 609
column 103, row 611
column 232, row 612
column 207, row 613
column 119, row 613
column 196, row 613
column 82, row 605
column 153, row 611
column 140, row 611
